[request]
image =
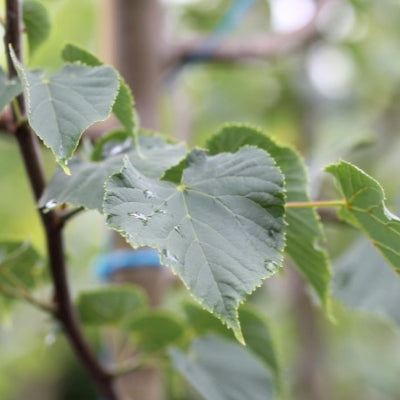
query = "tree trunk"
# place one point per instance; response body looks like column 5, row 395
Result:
column 131, row 42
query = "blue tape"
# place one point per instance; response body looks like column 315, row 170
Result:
column 233, row 17
column 107, row 265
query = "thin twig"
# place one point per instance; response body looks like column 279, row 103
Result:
column 66, row 216
column 21, row 294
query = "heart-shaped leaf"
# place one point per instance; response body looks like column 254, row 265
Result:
column 61, row 107
column 365, row 209
column 304, row 232
column 221, row 228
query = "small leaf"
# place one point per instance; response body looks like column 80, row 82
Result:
column 21, row 266
column 258, row 337
column 365, row 209
column 203, row 322
column 255, row 328
column 363, row 282
column 220, row 369
column 221, row 229
column 123, row 107
column 36, row 22
column 109, row 305
column 9, row 89
column 61, row 107
column 155, row 330
column 72, row 53
column 85, row 188
column 304, row 232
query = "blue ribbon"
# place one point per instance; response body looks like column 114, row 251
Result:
column 107, row 265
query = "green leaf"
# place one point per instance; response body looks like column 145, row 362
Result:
column 152, row 156
column 304, row 231
column 21, row 266
column 365, row 209
column 155, row 330
column 61, row 107
column 123, row 107
column 72, row 54
column 36, row 22
column 9, row 89
column 203, row 322
column 109, row 305
column 255, row 328
column 221, row 229
column 363, row 282
column 258, row 337
column 220, row 369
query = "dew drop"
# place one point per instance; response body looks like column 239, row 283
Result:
column 139, row 216
column 50, row 205
column 50, row 339
column 269, row 266
column 148, row 194
column 177, row 228
column 160, row 211
column 167, row 254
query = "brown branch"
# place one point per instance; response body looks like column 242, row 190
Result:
column 30, row 153
column 261, row 46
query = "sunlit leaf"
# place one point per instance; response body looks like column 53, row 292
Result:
column 221, row 369
column 304, row 232
column 221, row 229
column 365, row 209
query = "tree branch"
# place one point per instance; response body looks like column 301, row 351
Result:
column 261, row 46
column 17, row 293
column 28, row 145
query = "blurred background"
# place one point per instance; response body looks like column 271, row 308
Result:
column 328, row 84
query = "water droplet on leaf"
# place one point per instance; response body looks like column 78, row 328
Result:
column 139, row 216
column 269, row 266
column 50, row 205
column 149, row 194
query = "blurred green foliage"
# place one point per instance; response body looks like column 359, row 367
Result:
column 360, row 123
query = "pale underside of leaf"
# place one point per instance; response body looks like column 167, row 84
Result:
column 61, row 107
column 220, row 369
column 366, row 210
column 85, row 187
column 9, row 89
column 304, row 232
column 221, row 230
column 123, row 107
